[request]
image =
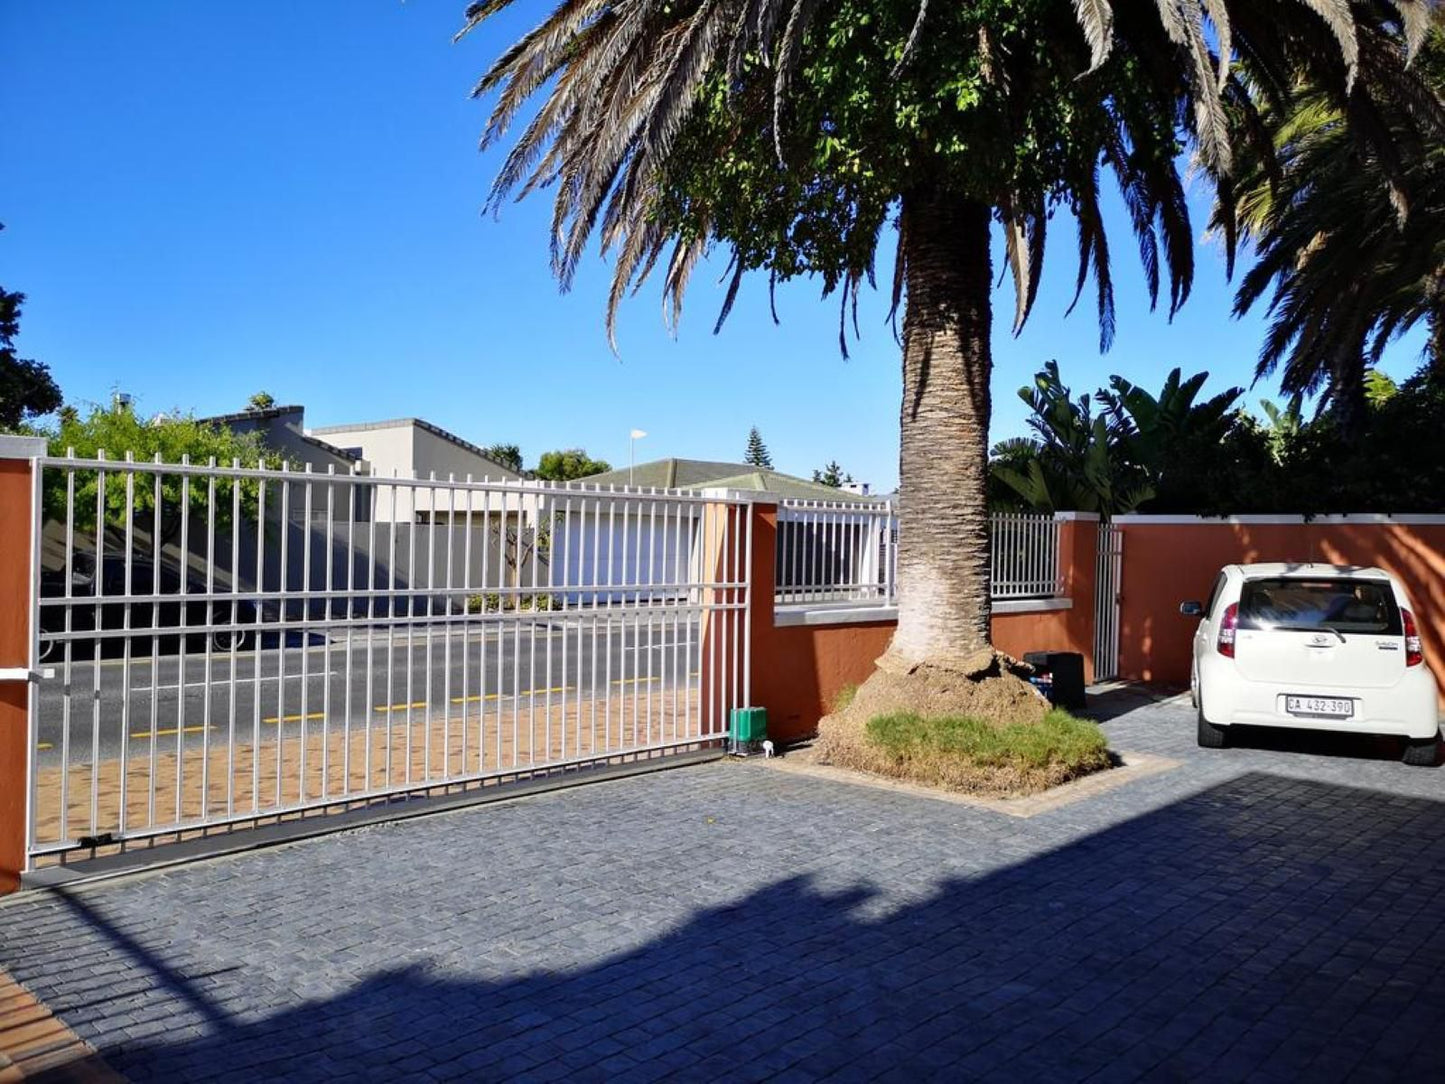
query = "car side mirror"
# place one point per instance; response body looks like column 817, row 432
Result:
column 1191, row 609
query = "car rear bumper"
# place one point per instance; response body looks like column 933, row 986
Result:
column 1410, row 709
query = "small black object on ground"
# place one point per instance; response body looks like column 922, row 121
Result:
column 1059, row 675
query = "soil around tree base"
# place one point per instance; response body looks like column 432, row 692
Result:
column 997, row 694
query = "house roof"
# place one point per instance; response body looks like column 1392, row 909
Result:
column 708, row 474
column 418, row 423
column 271, row 414
column 343, row 453
column 253, row 415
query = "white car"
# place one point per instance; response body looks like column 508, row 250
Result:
column 1319, row 647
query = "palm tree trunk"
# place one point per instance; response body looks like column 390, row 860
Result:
column 943, row 555
column 1347, row 393
column 1435, row 346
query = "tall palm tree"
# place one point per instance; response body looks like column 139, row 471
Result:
column 790, row 133
column 1350, row 234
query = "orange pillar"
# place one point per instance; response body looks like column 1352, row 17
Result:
column 1078, row 561
column 721, row 649
column 726, row 559
column 16, row 536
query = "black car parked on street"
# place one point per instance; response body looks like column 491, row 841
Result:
column 114, row 606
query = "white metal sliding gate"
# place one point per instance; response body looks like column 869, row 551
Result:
column 1109, row 570
column 231, row 645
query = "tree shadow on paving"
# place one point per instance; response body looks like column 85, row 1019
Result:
column 1263, row 927
column 1116, row 701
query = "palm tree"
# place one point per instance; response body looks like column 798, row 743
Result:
column 791, row 133
column 1350, row 235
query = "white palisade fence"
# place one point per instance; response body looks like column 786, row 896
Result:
column 847, row 552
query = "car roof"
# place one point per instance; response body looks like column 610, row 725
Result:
column 1313, row 570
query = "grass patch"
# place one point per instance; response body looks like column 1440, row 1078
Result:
column 970, row 754
column 843, row 698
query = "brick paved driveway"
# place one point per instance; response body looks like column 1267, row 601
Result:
column 1255, row 912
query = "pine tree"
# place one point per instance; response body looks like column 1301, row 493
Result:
column 757, row 453
column 831, row 475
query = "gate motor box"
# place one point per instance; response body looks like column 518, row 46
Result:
column 749, row 726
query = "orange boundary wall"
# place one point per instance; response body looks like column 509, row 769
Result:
column 798, row 670
column 1168, row 560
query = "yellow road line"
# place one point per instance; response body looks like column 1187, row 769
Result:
column 401, row 707
column 294, row 718
column 498, row 696
column 44, row 745
column 166, row 733
column 634, row 680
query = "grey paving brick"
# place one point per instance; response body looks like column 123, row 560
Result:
column 1266, row 912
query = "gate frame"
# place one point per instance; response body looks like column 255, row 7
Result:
column 1108, row 582
column 19, row 628
column 723, row 604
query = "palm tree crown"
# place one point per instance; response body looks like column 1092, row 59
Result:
column 1350, row 234
column 790, row 133
column 787, row 129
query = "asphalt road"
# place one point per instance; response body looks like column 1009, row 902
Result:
column 106, row 704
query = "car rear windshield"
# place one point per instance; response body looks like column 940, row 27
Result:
column 1342, row 605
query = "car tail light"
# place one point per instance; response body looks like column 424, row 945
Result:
column 1228, row 622
column 1414, row 651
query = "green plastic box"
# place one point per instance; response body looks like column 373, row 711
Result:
column 749, row 724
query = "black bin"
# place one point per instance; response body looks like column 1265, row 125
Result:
column 1066, row 668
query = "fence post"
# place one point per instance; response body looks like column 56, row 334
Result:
column 738, row 546
column 17, row 580
column 762, row 583
column 1078, row 560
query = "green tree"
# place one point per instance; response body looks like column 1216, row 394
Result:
column 756, row 454
column 27, row 390
column 1122, row 449
column 262, row 400
column 831, row 475
column 115, row 431
column 508, row 455
column 1169, row 436
column 1077, row 459
column 1282, row 426
column 564, row 466
column 1350, row 240
column 791, row 134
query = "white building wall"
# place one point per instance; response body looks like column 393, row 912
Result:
column 389, row 451
column 408, row 450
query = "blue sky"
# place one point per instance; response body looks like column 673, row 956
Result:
column 204, row 200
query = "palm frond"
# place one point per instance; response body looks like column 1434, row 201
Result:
column 1096, row 19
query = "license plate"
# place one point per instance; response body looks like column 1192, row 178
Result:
column 1319, row 705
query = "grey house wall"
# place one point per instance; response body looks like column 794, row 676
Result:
column 420, row 568
column 284, row 433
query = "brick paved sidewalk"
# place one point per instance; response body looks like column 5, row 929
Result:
column 1275, row 913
